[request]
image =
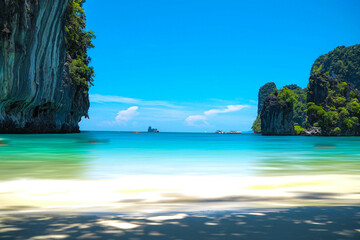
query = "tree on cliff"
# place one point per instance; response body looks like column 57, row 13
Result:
column 331, row 103
column 44, row 66
column 78, row 41
column 342, row 62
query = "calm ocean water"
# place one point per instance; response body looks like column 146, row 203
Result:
column 142, row 172
column 104, row 155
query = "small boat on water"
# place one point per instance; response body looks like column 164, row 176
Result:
column 231, row 132
column 234, row 132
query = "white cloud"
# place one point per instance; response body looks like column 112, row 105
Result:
column 229, row 108
column 126, row 115
column 98, row 98
column 195, row 120
column 123, row 116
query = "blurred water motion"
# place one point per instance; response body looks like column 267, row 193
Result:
column 43, row 156
column 176, row 171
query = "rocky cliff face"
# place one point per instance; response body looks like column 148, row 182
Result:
column 342, row 62
column 329, row 106
column 333, row 106
column 264, row 92
column 323, row 89
column 276, row 117
column 36, row 94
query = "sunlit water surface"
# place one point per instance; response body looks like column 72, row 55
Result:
column 152, row 172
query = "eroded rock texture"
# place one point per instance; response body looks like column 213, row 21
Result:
column 276, row 117
column 36, row 95
column 265, row 91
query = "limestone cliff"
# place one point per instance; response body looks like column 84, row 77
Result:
column 276, row 117
column 333, row 106
column 342, row 62
column 264, row 91
column 36, row 92
column 329, row 106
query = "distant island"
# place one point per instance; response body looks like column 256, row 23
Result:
column 150, row 129
column 329, row 106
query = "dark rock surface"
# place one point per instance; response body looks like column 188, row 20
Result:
column 264, row 92
column 276, row 117
column 36, row 94
column 319, row 86
column 329, row 106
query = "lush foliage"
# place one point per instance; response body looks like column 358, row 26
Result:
column 295, row 98
column 343, row 62
column 300, row 106
column 333, row 86
column 78, row 41
column 256, row 127
column 291, row 95
column 287, row 96
column 339, row 113
column 298, row 129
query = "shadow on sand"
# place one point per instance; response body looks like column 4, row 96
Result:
column 294, row 223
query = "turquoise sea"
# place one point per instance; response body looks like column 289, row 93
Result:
column 124, row 185
column 104, row 155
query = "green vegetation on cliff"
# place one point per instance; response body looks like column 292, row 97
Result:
column 299, row 105
column 256, row 127
column 295, row 99
column 343, row 62
column 336, row 109
column 287, row 96
column 78, row 41
column 331, row 103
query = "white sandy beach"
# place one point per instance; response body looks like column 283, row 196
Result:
column 159, row 193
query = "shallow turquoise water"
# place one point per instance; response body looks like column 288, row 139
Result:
column 104, row 155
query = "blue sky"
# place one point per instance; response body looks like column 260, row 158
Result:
column 188, row 65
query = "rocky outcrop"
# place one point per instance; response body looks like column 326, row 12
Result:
column 333, row 107
column 36, row 94
column 342, row 62
column 320, row 85
column 329, row 106
column 276, row 117
column 264, row 92
column 312, row 131
column 318, row 88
